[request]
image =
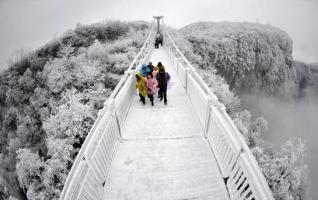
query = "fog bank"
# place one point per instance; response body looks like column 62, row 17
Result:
column 287, row 119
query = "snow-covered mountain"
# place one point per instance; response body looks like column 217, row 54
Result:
column 249, row 56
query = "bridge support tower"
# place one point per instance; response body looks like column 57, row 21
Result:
column 158, row 18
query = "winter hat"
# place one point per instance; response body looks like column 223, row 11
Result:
column 161, row 68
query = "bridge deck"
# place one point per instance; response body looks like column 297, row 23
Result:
column 163, row 155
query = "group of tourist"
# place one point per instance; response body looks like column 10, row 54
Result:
column 152, row 80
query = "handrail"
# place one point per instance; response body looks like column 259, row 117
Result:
column 103, row 115
column 228, row 126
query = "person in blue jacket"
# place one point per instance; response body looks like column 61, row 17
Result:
column 145, row 70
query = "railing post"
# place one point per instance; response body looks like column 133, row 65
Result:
column 188, row 71
column 173, row 57
column 207, row 118
column 186, row 78
column 177, row 66
column 180, row 64
column 111, row 105
column 172, row 51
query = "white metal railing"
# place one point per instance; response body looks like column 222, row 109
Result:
column 89, row 171
column 243, row 176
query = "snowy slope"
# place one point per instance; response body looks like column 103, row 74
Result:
column 248, row 55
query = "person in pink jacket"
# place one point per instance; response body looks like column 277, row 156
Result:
column 152, row 87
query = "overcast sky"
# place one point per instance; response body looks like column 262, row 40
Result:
column 31, row 23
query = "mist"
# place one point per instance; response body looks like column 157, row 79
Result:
column 288, row 119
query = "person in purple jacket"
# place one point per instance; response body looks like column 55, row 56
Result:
column 163, row 78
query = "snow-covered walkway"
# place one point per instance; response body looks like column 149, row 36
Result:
column 163, row 154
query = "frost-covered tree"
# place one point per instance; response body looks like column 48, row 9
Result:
column 29, row 167
column 59, row 75
column 72, row 121
column 285, row 170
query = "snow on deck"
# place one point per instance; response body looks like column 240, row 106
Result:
column 163, row 155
